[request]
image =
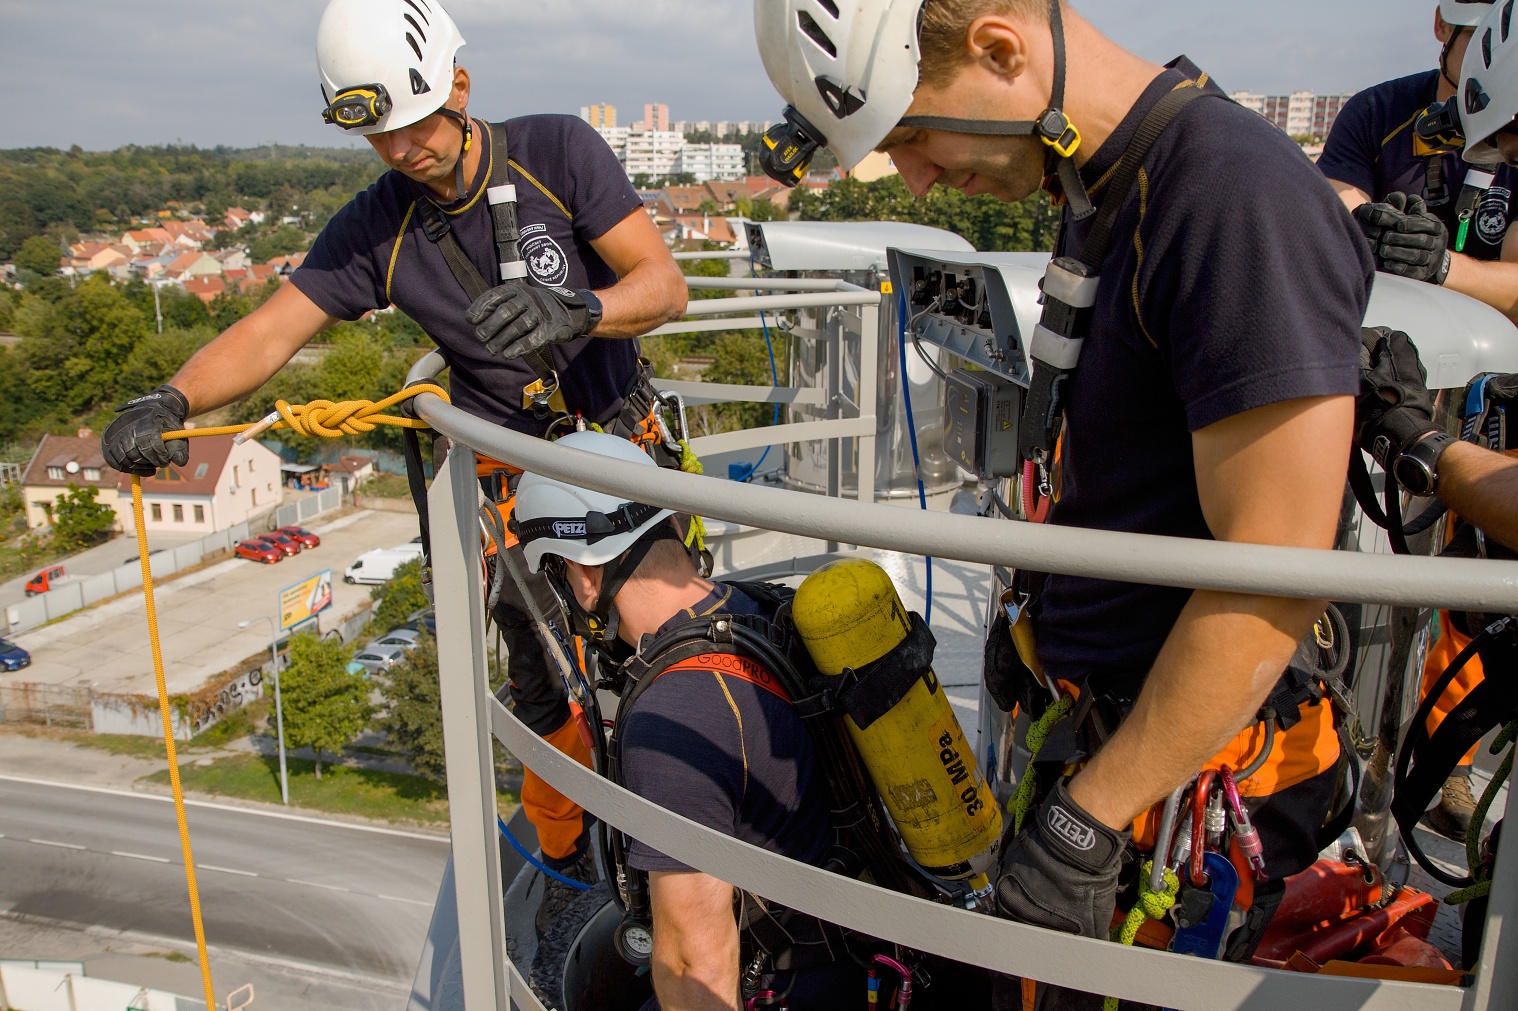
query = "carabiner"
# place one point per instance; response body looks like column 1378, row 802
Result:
column 1199, row 798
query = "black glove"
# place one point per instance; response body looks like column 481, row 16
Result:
column 133, row 443
column 1394, row 409
column 1061, row 873
column 518, row 318
column 1406, row 239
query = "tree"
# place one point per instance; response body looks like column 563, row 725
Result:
column 325, row 707
column 743, row 360
column 40, row 255
column 399, row 597
column 79, row 521
column 282, row 241
column 413, row 717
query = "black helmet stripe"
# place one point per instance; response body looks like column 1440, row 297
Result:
column 418, row 27
column 419, row 11
column 414, row 47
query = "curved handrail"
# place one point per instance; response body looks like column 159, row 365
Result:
column 1464, row 584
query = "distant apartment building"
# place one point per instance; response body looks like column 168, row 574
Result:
column 656, row 118
column 711, row 161
column 651, row 152
column 1300, row 114
column 599, row 116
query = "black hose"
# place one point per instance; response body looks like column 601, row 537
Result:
column 1270, row 743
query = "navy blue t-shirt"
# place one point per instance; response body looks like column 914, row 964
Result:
column 1371, row 149
column 1235, row 280
column 570, row 190
column 726, row 751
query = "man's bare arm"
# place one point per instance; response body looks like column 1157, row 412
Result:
column 250, row 351
column 1494, row 282
column 695, row 959
column 1482, row 487
column 651, row 291
column 1353, row 196
column 1274, row 475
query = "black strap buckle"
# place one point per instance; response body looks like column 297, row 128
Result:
column 435, row 223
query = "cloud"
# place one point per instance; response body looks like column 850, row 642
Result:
column 103, row 73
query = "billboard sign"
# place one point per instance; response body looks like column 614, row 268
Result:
column 305, row 600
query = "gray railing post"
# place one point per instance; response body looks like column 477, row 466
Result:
column 465, row 688
column 1497, row 968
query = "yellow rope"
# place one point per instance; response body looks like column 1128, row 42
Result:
column 168, row 742
column 318, row 418
column 1151, row 905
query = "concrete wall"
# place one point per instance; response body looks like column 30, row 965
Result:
column 62, row 986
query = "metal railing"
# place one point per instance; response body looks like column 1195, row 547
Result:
column 472, row 715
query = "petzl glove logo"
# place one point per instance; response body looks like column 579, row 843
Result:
column 1071, row 831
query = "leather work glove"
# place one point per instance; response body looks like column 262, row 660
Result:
column 1061, row 873
column 1406, row 239
column 517, row 318
column 133, row 443
column 1394, row 409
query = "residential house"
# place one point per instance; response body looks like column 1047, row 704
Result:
column 695, row 229
column 59, row 462
column 192, row 264
column 726, row 193
column 236, row 217
column 351, row 471
column 189, row 234
column 285, row 265
column 682, row 199
column 88, row 257
column 223, row 484
column 136, row 240
column 231, row 259
column 206, row 287
column 873, row 166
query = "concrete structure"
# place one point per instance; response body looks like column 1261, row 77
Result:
column 1300, row 114
column 59, row 463
column 711, row 161
column 656, row 118
column 221, row 485
column 651, row 152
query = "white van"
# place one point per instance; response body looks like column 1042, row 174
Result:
column 378, row 565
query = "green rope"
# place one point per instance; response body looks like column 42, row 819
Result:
column 1038, row 733
column 1151, row 905
column 691, row 464
column 1482, row 888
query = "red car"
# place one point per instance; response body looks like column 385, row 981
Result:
column 302, row 536
column 289, row 545
column 259, row 551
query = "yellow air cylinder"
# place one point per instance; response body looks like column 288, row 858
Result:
column 849, row 615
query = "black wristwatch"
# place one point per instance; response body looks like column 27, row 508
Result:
column 1417, row 469
column 593, row 308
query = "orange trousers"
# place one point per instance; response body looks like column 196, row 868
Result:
column 559, row 821
column 1450, row 643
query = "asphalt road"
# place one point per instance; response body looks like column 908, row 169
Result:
column 198, row 613
column 96, row 561
column 296, row 891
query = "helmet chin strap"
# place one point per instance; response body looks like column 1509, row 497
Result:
column 601, row 623
column 462, row 119
column 1053, row 127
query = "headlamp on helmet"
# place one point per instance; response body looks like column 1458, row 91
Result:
column 356, row 108
column 1438, row 130
column 789, row 148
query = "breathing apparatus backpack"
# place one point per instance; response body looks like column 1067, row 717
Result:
column 867, row 844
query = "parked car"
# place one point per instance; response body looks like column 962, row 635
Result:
column 289, row 545
column 259, row 551
column 379, row 659
column 49, row 579
column 13, row 657
column 424, row 619
column 403, row 637
column 304, row 537
column 354, row 667
column 379, row 565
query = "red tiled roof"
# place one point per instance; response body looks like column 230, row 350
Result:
column 206, row 289
column 60, row 451
column 211, row 451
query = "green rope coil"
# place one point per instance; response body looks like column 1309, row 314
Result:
column 1151, row 905
column 1483, row 887
column 1038, row 733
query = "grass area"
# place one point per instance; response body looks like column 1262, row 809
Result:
column 386, row 486
column 122, row 744
column 242, row 722
column 386, row 796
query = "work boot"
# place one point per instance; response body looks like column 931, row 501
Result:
column 557, row 895
column 1452, row 817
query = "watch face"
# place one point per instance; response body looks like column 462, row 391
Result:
column 1414, row 475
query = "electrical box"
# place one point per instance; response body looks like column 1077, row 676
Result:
column 981, row 411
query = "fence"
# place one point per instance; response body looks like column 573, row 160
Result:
column 472, row 717
column 51, row 606
column 63, row 986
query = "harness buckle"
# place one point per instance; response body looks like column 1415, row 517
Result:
column 435, row 223
column 1057, row 132
column 539, row 396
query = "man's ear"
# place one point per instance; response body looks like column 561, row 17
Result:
column 458, row 100
column 1442, row 28
column 584, row 580
column 999, row 44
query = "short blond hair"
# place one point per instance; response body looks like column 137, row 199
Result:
column 941, row 36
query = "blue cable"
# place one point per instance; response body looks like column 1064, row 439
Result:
column 578, row 886
column 922, row 494
column 746, row 471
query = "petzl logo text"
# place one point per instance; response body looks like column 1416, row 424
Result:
column 1070, row 830
column 569, row 528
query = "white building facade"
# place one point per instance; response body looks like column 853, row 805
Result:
column 711, row 161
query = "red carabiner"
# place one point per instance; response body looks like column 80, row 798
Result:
column 1199, row 796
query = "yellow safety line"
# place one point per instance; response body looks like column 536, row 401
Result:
column 168, row 743
column 321, row 417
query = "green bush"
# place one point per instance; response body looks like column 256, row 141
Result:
column 79, row 521
column 325, row 707
column 413, row 717
column 399, row 597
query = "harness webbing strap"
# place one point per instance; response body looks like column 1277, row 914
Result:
column 875, row 688
column 734, row 665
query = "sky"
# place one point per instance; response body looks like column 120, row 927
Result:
column 104, row 73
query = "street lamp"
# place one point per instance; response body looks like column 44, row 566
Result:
column 279, row 713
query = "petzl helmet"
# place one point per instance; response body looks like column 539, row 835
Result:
column 1488, row 95
column 385, row 64
column 1464, row 13
column 555, row 519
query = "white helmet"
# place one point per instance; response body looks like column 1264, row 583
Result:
column 385, row 64
column 847, row 69
column 1464, row 13
column 1488, row 94
column 589, row 527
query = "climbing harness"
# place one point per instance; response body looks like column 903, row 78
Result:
column 318, row 418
